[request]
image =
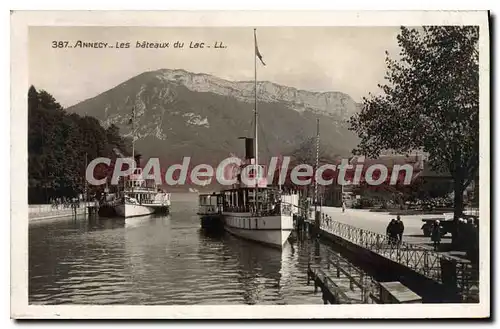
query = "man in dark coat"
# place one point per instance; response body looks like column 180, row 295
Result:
column 391, row 232
column 400, row 227
column 436, row 234
column 472, row 241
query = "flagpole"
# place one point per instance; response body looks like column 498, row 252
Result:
column 279, row 176
column 133, row 145
column 316, row 168
column 256, row 124
column 133, row 135
column 133, row 139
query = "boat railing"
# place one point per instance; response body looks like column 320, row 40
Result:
column 246, row 208
column 280, row 208
column 110, row 203
column 208, row 209
column 157, row 201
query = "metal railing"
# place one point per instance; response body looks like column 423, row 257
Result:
column 48, row 208
column 418, row 258
column 346, row 282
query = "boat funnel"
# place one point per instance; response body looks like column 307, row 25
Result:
column 249, row 149
column 137, row 159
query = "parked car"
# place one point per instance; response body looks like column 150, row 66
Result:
column 444, row 222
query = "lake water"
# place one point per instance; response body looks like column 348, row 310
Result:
column 161, row 260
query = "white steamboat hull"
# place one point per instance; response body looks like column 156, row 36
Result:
column 269, row 230
column 133, row 210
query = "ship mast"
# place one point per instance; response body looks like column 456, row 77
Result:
column 256, row 140
column 316, row 168
column 133, row 147
column 133, row 135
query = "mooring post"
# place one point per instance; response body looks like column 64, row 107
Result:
column 449, row 277
column 363, row 287
column 317, row 222
column 366, row 295
column 308, row 273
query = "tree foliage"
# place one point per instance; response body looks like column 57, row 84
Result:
column 430, row 102
column 305, row 153
column 58, row 143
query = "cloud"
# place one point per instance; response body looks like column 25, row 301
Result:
column 345, row 59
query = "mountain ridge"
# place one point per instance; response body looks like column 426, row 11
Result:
column 267, row 90
column 179, row 113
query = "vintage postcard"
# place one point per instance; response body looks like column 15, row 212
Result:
column 256, row 165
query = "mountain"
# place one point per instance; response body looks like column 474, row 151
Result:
column 179, row 113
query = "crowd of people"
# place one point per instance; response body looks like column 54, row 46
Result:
column 431, row 203
column 65, row 203
column 467, row 234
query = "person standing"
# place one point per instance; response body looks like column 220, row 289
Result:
column 472, row 241
column 400, row 228
column 391, row 232
column 436, row 234
column 73, row 207
column 343, row 206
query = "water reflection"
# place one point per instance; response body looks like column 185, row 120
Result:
column 106, row 224
column 143, row 220
column 258, row 269
column 66, row 265
column 160, row 260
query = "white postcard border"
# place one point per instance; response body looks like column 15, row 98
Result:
column 20, row 20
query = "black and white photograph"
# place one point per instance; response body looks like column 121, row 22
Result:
column 243, row 165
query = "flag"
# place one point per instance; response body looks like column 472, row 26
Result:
column 231, row 170
column 133, row 116
column 257, row 52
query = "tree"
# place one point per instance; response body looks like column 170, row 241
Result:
column 58, row 143
column 430, row 102
column 305, row 153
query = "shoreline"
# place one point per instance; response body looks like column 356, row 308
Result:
column 46, row 215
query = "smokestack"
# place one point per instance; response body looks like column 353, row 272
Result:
column 249, row 149
column 137, row 159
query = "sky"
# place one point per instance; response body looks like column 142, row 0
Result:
column 344, row 59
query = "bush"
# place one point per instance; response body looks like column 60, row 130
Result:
column 363, row 204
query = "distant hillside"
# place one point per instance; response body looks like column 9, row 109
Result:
column 186, row 114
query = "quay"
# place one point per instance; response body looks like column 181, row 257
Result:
column 358, row 289
column 47, row 211
column 88, row 209
column 435, row 276
column 342, row 282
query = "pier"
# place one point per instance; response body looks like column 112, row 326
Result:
column 340, row 281
column 48, row 211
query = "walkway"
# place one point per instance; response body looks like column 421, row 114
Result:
column 46, row 211
column 367, row 230
column 377, row 222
